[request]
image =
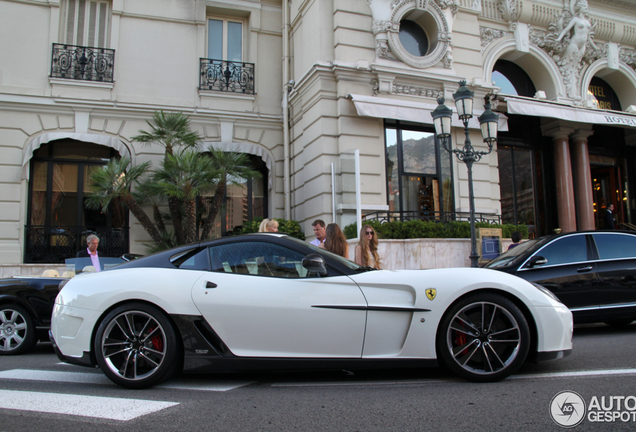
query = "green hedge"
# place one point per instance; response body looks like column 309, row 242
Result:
column 290, row 227
column 431, row 229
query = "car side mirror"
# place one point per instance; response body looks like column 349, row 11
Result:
column 315, row 263
column 537, row 260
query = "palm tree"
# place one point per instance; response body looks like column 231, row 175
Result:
column 231, row 168
column 184, row 176
column 171, row 131
column 115, row 180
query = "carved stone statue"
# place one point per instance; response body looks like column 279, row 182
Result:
column 580, row 31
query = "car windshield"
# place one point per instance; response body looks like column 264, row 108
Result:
column 352, row 265
column 78, row 265
column 511, row 255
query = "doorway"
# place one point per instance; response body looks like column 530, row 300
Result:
column 606, row 190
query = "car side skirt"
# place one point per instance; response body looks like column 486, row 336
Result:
column 243, row 364
column 204, row 351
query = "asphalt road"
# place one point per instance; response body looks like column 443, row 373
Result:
column 39, row 393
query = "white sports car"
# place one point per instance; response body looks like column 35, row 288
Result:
column 271, row 301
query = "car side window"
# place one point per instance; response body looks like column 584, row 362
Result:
column 612, row 246
column 565, row 250
column 257, row 258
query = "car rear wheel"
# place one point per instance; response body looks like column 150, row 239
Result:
column 17, row 332
column 483, row 338
column 136, row 346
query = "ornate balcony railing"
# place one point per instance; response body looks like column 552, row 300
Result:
column 46, row 244
column 82, row 63
column 227, row 76
column 435, row 216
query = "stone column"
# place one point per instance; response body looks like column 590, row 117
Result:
column 563, row 174
column 582, row 175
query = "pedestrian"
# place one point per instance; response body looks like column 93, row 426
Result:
column 335, row 241
column 268, row 225
column 609, row 217
column 319, row 232
column 516, row 238
column 367, row 248
column 92, row 242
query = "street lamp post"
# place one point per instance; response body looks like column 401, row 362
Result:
column 442, row 116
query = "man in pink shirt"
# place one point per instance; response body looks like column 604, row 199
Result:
column 91, row 251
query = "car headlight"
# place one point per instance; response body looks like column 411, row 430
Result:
column 546, row 291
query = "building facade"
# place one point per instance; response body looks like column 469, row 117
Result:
column 330, row 98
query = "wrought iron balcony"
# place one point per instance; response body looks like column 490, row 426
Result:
column 227, row 76
column 82, row 63
column 47, row 244
column 436, row 216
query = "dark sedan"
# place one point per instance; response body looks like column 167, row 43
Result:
column 591, row 272
column 26, row 303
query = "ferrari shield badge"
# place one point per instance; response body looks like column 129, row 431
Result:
column 431, row 293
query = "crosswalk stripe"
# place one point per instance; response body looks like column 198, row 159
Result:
column 80, row 405
column 98, row 378
column 69, row 377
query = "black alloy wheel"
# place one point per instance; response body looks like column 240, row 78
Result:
column 483, row 338
column 136, row 346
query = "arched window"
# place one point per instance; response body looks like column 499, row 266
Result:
column 57, row 219
column 603, row 95
column 245, row 200
column 512, row 79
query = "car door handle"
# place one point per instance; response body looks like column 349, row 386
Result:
column 211, row 285
column 584, row 269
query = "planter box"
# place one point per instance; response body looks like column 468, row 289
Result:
column 418, row 254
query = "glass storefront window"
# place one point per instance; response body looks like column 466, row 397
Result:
column 516, row 185
column 419, row 152
column 392, row 170
column 419, row 177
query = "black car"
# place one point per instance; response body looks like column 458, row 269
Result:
column 26, row 303
column 592, row 272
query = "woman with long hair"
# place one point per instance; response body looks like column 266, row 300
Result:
column 367, row 248
column 335, row 241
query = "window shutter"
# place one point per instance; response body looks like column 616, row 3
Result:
column 87, row 23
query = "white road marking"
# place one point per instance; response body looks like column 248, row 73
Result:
column 630, row 371
column 99, row 378
column 550, row 375
column 80, row 405
column 41, row 375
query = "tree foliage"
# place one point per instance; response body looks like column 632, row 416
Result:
column 185, row 176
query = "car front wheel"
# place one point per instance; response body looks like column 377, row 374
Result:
column 17, row 332
column 136, row 346
column 483, row 338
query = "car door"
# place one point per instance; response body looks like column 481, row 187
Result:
column 262, row 303
column 569, row 271
column 616, row 272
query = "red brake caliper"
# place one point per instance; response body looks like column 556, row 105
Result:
column 157, row 342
